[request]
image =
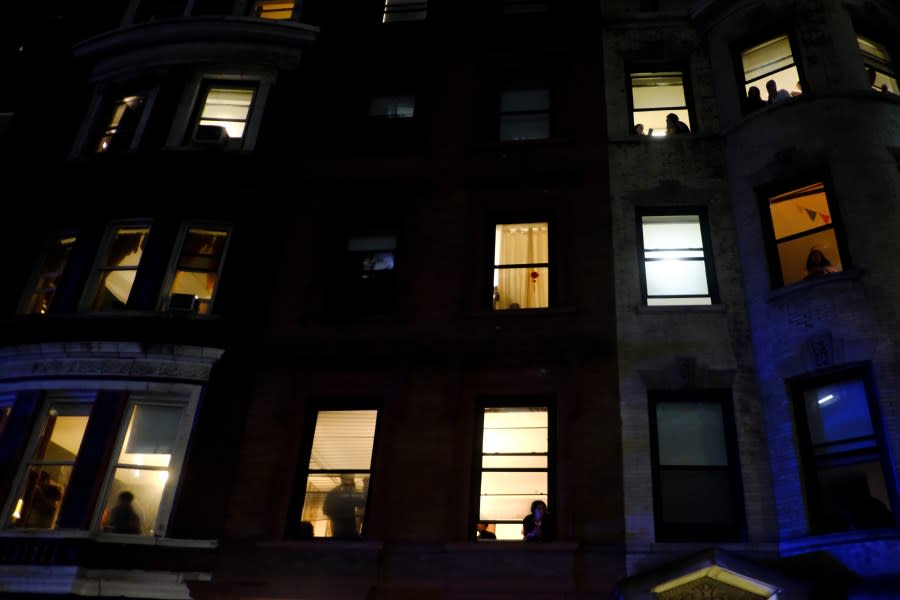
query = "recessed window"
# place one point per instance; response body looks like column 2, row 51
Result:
column 118, row 267
column 274, row 9
column 224, row 110
column 521, row 266
column 655, row 96
column 525, row 114
column 198, row 268
column 677, row 269
column 365, row 281
column 139, row 493
column 879, row 66
column 340, row 471
column 771, row 61
column 695, row 483
column 843, row 455
column 120, row 130
column 393, row 107
column 404, row 10
column 52, row 456
column 515, row 457
column 805, row 237
column 50, row 270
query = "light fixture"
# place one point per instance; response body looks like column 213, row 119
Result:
column 826, row 399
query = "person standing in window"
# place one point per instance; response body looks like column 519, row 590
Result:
column 122, row 518
column 754, row 100
column 483, row 532
column 674, row 126
column 817, row 264
column 342, row 504
column 776, row 95
column 44, row 502
column 538, row 525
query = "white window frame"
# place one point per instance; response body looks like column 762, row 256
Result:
column 165, row 294
column 98, row 267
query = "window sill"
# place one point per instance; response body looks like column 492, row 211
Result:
column 512, row 545
column 514, row 145
column 649, row 139
column 107, row 538
column 522, row 313
column 703, row 308
column 800, row 286
column 818, row 543
column 319, row 543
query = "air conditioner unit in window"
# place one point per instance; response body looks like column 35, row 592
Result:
column 214, row 135
column 183, row 303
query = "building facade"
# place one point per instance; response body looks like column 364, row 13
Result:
column 312, row 299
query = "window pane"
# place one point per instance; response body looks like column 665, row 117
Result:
column 691, row 433
column 273, row 9
column 121, row 261
column 343, row 440
column 656, row 120
column 150, row 439
column 509, row 507
column 62, row 434
column 515, row 431
column 525, row 100
column 697, row 301
column 767, row 58
column 676, row 278
column 854, row 497
column 657, row 90
column 521, row 243
column 120, row 130
column 335, row 504
column 228, row 108
column 671, row 231
column 695, row 497
column 145, row 487
column 40, row 496
column 800, row 210
column 513, row 482
column 837, row 412
column 525, row 127
column 504, row 461
column 202, row 249
column 401, row 107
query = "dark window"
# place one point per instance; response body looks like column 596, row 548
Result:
column 119, row 132
column 803, row 233
column 51, row 267
column 338, row 475
column 525, row 114
column 676, row 260
column 696, row 480
column 845, row 465
column 365, row 281
column 514, row 458
column 404, row 10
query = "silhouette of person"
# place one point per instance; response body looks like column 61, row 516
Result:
column 483, row 533
column 538, row 525
column 754, row 100
column 639, row 129
column 776, row 95
column 341, row 505
column 122, row 518
column 674, row 126
column 44, row 499
column 817, row 264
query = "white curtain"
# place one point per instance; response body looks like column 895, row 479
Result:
column 527, row 286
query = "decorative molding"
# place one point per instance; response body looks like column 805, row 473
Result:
column 707, row 589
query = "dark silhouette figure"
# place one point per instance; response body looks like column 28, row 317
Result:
column 674, row 126
column 122, row 518
column 483, row 533
column 341, row 505
column 817, row 264
column 754, row 100
column 539, row 525
column 44, row 499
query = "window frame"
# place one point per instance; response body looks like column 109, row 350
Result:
column 682, row 67
column 339, row 281
column 28, row 297
column 708, row 255
column 206, row 86
column 98, row 266
column 890, row 69
column 301, row 478
column 188, row 400
column 416, row 7
column 165, row 296
column 784, row 186
column 695, row 532
column 747, row 42
column 546, row 401
column 807, row 463
column 514, row 85
column 552, row 264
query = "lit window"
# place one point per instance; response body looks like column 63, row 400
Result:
column 223, row 113
column 365, row 280
column 844, row 460
column 695, row 487
column 771, row 60
column 879, row 67
column 803, row 227
column 656, row 95
column 49, row 468
column 274, row 9
column 120, row 130
column 119, row 266
column 404, row 10
column 514, row 467
column 139, row 493
column 676, row 268
column 393, row 107
column 198, row 268
column 340, row 468
column 525, row 114
column 49, row 272
column 521, row 266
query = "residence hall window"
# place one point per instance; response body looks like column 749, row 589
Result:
column 274, row 9
column 676, row 264
column 655, row 95
column 525, row 114
column 366, row 280
column 879, row 66
column 805, row 237
column 198, row 268
column 340, row 468
column 119, row 132
column 771, row 60
column 521, row 266
column 695, row 476
column 844, row 459
column 223, row 114
column 404, row 10
column 51, row 457
column 515, row 457
column 393, row 107
column 118, row 267
column 150, row 449
column 51, row 267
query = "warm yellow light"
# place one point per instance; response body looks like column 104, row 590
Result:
column 163, row 476
column 17, row 514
